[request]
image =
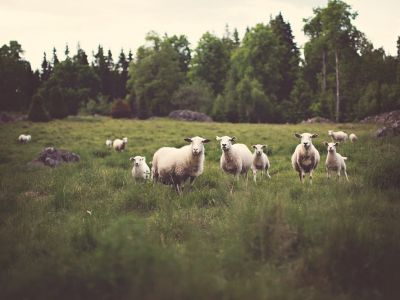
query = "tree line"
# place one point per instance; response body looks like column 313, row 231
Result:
column 261, row 77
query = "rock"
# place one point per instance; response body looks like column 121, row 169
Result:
column 7, row 117
column 189, row 115
column 388, row 118
column 316, row 120
column 390, row 130
column 52, row 157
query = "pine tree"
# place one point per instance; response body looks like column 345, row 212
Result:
column 37, row 112
column 55, row 58
column 46, row 68
column 66, row 52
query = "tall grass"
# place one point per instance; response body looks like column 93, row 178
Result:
column 87, row 230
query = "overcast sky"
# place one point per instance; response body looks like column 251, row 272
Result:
column 41, row 24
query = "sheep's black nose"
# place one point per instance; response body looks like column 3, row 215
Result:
column 223, row 145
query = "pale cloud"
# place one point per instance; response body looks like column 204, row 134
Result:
column 41, row 24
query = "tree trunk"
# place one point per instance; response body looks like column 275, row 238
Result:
column 323, row 87
column 337, row 85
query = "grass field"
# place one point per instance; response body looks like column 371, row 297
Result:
column 277, row 239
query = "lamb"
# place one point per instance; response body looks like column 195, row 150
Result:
column 353, row 137
column 109, row 143
column 306, row 157
column 260, row 161
column 24, row 138
column 175, row 165
column 140, row 168
column 338, row 136
column 334, row 161
column 236, row 159
column 119, row 145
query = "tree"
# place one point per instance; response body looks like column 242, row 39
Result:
column 181, row 46
column 80, row 57
column 197, row 96
column 37, row 113
column 211, row 62
column 17, row 81
column 46, row 68
column 154, row 76
column 55, row 58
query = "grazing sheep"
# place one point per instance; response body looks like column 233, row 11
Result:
column 236, row 159
column 119, row 145
column 140, row 168
column 306, row 157
column 338, row 136
column 125, row 139
column 109, row 143
column 353, row 137
column 24, row 138
column 260, row 161
column 175, row 165
column 334, row 161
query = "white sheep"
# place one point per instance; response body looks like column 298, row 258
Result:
column 140, row 168
column 306, row 157
column 175, row 165
column 24, row 138
column 353, row 137
column 338, row 136
column 236, row 159
column 119, row 145
column 260, row 161
column 334, row 161
column 109, row 143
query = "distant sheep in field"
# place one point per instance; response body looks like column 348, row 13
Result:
column 353, row 138
column 175, row 165
column 24, row 138
column 119, row 145
column 109, row 143
column 260, row 161
column 306, row 157
column 140, row 168
column 338, row 136
column 236, row 159
column 334, row 161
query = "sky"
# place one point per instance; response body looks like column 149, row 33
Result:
column 40, row 25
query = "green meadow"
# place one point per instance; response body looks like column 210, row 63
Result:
column 86, row 230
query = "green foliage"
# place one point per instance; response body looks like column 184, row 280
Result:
column 121, row 109
column 37, row 112
column 197, row 96
column 100, row 106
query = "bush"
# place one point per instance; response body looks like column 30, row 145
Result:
column 121, row 109
column 99, row 106
column 37, row 113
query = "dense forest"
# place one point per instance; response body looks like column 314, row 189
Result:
column 260, row 77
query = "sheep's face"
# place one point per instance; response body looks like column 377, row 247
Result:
column 259, row 149
column 226, row 142
column 125, row 140
column 197, row 144
column 138, row 160
column 331, row 147
column 330, row 132
column 306, row 139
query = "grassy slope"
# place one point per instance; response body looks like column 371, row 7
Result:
column 277, row 239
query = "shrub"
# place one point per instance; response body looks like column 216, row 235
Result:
column 37, row 113
column 99, row 106
column 121, row 109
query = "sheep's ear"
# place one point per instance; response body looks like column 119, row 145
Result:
column 233, row 139
column 144, row 158
column 217, row 138
column 205, row 141
column 254, row 146
column 189, row 140
column 264, row 146
column 132, row 158
column 314, row 135
column 298, row 135
column 336, row 144
column 326, row 143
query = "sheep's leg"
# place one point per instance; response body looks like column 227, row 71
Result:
column 255, row 175
column 345, row 174
column 302, row 176
column 310, row 176
column 269, row 176
column 338, row 175
column 328, row 174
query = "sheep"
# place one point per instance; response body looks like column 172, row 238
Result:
column 338, row 136
column 175, row 165
column 24, row 138
column 353, row 137
column 140, row 168
column 306, row 157
column 334, row 161
column 260, row 161
column 236, row 159
column 119, row 145
column 109, row 143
